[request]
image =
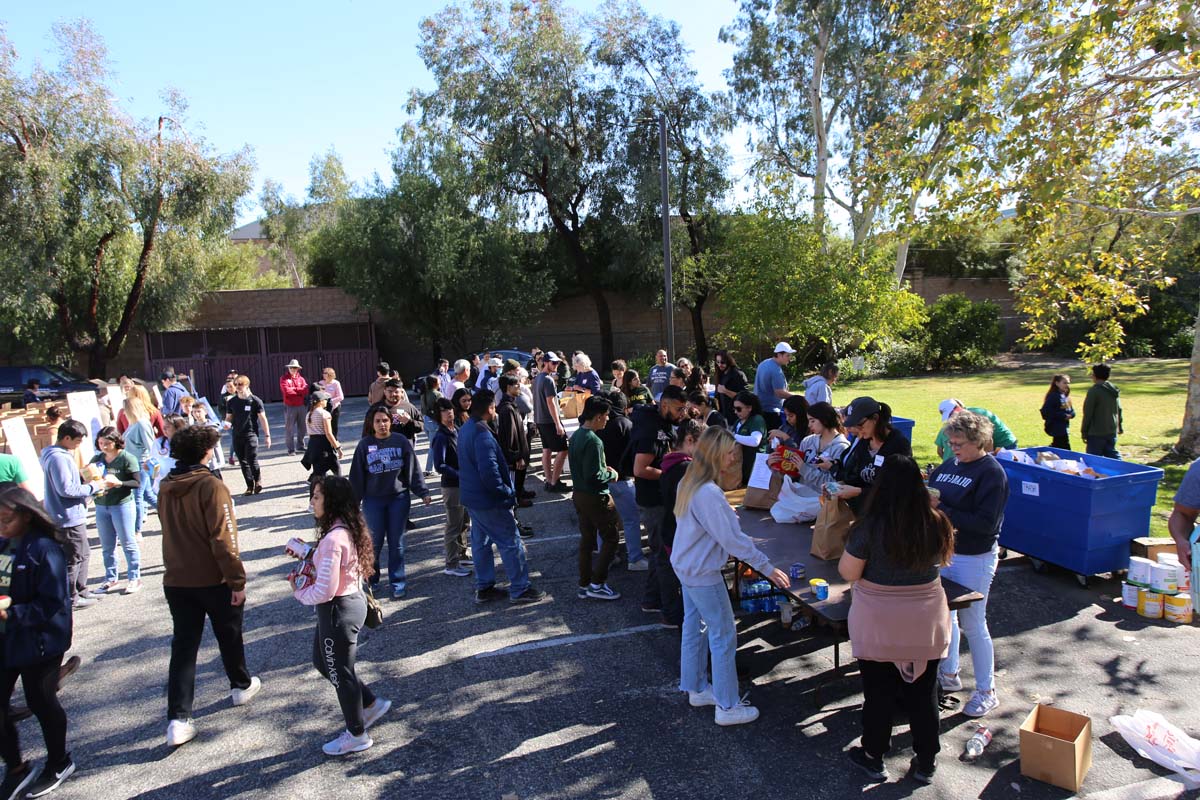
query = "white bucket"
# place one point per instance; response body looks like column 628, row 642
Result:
column 1129, row 595
column 1150, row 604
column 1178, row 608
column 1139, row 571
column 1162, row 578
column 1164, row 558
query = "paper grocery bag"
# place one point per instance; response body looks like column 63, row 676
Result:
column 831, row 529
column 731, row 477
column 572, row 405
column 763, row 498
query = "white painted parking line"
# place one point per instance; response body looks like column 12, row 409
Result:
column 565, row 640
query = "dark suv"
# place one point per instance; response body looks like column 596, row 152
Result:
column 55, row 382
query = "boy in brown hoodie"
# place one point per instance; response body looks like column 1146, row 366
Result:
column 203, row 576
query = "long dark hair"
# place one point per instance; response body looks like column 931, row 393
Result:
column 915, row 535
column 341, row 506
column 696, row 379
column 749, row 399
column 22, row 501
column 442, row 404
column 883, row 422
column 730, row 364
column 1054, row 387
column 798, row 406
column 826, row 415
column 627, row 382
column 460, row 413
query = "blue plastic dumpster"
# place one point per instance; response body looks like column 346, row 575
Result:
column 904, row 425
column 1082, row 524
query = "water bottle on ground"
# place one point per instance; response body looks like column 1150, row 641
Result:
column 977, row 743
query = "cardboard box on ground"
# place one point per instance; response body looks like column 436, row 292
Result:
column 1056, row 747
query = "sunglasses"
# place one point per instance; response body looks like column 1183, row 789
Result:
column 740, row 408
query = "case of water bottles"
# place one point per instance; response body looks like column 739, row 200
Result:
column 759, row 596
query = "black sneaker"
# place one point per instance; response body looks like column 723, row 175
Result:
column 526, row 531
column 410, row 525
column 249, row 492
column 530, row 595
column 874, row 768
column 487, row 595
column 923, row 775
column 15, row 781
column 51, row 778
column 258, row 488
column 558, row 488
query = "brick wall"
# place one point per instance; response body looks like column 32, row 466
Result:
column 997, row 290
column 255, row 308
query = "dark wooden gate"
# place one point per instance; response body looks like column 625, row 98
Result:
column 261, row 353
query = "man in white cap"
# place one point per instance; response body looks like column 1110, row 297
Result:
column 295, row 390
column 549, row 423
column 770, row 384
column 1002, row 437
column 490, row 378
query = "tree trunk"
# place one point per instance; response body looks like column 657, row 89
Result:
column 583, row 271
column 817, row 114
column 97, row 363
column 901, row 259
column 1189, row 436
column 698, row 334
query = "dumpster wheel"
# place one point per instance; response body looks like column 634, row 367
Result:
column 1037, row 564
column 1082, row 580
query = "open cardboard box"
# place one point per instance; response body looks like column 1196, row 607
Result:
column 1056, row 747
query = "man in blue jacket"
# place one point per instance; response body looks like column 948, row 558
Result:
column 66, row 497
column 486, row 490
column 172, row 392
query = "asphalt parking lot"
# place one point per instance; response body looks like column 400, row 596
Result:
column 571, row 698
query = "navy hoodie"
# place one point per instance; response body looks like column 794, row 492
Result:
column 386, row 468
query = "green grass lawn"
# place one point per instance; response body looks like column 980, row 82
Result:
column 1153, row 392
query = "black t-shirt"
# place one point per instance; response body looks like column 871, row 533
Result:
column 860, row 467
column 651, row 434
column 244, row 414
column 866, row 542
column 615, row 437
column 735, row 381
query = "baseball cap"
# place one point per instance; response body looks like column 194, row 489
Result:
column 946, row 407
column 784, row 347
column 495, row 362
column 550, row 355
column 511, row 364
column 321, row 396
column 859, row 409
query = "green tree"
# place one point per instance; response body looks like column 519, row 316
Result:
column 783, row 285
column 517, row 85
column 105, row 223
column 652, row 68
column 290, row 224
column 420, row 251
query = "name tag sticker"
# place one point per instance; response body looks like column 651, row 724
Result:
column 371, row 448
column 247, row 408
column 1030, row 488
column 879, row 461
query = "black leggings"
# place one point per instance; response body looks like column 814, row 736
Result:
column 41, row 694
column 885, row 691
column 1061, row 442
column 334, row 648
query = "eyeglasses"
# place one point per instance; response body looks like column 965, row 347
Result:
column 740, row 408
column 956, row 444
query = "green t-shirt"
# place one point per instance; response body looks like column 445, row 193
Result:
column 1001, row 435
column 125, row 468
column 754, row 423
column 11, row 469
column 8, row 554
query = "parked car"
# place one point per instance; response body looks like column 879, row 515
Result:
column 55, row 382
column 522, row 357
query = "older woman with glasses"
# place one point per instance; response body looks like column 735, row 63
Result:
column 971, row 489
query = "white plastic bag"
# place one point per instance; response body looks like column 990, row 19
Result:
column 796, row 503
column 1019, row 456
column 1161, row 742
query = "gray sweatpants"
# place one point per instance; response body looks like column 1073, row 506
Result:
column 334, row 649
column 293, row 428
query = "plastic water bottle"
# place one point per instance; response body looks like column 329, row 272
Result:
column 978, row 742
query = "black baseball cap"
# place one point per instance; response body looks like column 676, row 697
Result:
column 859, row 409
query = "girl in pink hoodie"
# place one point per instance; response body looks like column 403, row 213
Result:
column 341, row 561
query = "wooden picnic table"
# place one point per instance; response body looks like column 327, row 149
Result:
column 787, row 544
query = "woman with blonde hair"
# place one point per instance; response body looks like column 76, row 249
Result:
column 154, row 417
column 707, row 533
column 586, row 378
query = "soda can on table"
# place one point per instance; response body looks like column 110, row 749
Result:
column 797, row 572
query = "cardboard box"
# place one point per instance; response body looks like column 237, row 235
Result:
column 1150, row 546
column 1056, row 747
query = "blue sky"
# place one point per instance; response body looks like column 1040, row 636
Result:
column 293, row 79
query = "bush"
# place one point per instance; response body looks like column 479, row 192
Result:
column 641, row 365
column 1138, row 347
column 963, row 334
column 1179, row 344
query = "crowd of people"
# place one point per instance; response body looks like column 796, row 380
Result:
column 647, row 462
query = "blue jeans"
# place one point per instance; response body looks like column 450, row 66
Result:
column 430, row 427
column 708, row 627
column 622, row 495
column 140, row 499
column 497, row 526
column 388, row 517
column 1103, row 446
column 113, row 523
column 973, row 572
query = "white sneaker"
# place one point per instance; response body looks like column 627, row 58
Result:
column 638, row 566
column 950, row 682
column 740, row 714
column 981, row 703
column 348, row 743
column 243, row 696
column 180, row 731
column 373, row 712
column 701, row 699
column 133, row 587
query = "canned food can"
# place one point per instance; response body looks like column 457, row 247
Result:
column 797, row 572
column 820, row 588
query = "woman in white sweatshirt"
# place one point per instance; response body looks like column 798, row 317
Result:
column 707, row 533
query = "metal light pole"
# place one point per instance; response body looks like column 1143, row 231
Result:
column 668, row 294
